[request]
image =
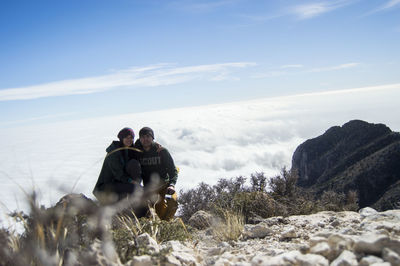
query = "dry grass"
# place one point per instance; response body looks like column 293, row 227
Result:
column 230, row 227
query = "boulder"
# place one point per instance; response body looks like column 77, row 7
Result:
column 367, row 211
column 200, row 220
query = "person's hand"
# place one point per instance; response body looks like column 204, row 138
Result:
column 170, row 190
column 134, row 182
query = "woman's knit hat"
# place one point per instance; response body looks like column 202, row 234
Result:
column 126, row 131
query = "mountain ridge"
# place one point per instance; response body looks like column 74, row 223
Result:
column 358, row 156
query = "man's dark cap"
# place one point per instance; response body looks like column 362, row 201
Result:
column 146, row 131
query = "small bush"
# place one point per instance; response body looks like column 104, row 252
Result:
column 258, row 182
column 351, row 201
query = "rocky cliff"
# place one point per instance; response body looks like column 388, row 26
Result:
column 357, row 156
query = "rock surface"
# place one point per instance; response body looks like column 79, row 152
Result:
column 362, row 238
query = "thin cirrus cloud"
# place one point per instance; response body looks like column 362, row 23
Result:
column 292, row 66
column 157, row 75
column 386, row 7
column 284, row 70
column 332, row 68
column 311, row 10
column 389, row 5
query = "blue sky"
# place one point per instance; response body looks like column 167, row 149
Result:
column 67, row 60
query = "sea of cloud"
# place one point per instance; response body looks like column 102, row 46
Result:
column 206, row 142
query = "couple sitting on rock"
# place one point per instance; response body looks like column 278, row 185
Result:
column 130, row 164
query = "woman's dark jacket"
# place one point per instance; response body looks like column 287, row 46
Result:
column 113, row 170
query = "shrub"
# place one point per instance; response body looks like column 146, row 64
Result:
column 256, row 204
column 283, row 185
column 258, row 182
column 195, row 199
column 332, row 201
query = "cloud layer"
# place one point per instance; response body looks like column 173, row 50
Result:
column 207, row 142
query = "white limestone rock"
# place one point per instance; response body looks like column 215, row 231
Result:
column 338, row 244
column 223, row 262
column 182, row 253
column 311, row 259
column 322, row 248
column 388, row 221
column 101, row 253
column 146, row 242
column 316, row 240
column 216, row 251
column 371, row 243
column 291, row 258
column 367, row 211
column 144, row 260
column 170, row 260
column 175, row 245
column 391, row 256
column 256, row 231
column 346, row 258
column 289, row 233
column 370, row 260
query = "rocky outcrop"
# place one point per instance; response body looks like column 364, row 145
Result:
column 365, row 238
column 358, row 156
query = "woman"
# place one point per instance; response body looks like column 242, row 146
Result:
column 120, row 175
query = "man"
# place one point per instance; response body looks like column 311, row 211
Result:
column 159, row 174
column 120, row 174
